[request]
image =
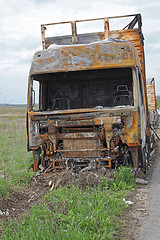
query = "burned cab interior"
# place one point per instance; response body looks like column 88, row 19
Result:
column 82, row 89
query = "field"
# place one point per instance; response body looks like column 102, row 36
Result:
column 87, row 206
column 13, row 155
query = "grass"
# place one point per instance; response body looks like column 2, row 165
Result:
column 13, row 109
column 71, row 213
column 14, row 158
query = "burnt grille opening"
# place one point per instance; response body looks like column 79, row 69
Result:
column 79, row 129
column 85, row 89
column 43, row 130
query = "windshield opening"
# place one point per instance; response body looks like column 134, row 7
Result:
column 83, row 89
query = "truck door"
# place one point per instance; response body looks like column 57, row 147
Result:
column 142, row 120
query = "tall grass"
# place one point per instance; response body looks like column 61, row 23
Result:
column 14, row 158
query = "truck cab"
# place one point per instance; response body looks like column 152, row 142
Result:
column 87, row 102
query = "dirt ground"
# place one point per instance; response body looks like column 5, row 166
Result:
column 134, row 217
column 131, row 222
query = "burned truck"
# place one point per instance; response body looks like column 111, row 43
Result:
column 87, row 102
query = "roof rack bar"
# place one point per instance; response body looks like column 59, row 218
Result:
column 92, row 19
column 74, row 32
column 106, row 27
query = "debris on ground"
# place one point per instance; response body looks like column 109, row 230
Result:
column 128, row 202
column 141, row 181
column 82, row 179
column 4, row 213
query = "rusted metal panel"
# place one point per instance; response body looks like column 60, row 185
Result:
column 151, row 94
column 84, row 57
column 81, row 148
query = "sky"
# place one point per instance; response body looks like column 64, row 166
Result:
column 21, row 35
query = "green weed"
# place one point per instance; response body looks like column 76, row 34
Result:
column 122, row 180
column 5, row 186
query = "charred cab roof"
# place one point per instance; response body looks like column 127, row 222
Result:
column 98, row 55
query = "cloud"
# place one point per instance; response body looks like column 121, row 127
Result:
column 148, row 4
column 155, row 46
column 151, row 25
